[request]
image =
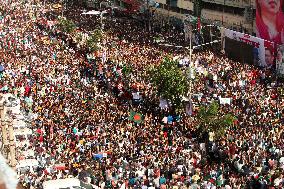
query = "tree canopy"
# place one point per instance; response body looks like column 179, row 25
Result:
column 94, row 39
column 169, row 81
column 210, row 118
column 66, row 25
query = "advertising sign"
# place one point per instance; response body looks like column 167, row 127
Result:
column 263, row 51
column 257, row 43
column 270, row 20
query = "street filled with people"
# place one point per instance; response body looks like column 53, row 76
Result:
column 82, row 104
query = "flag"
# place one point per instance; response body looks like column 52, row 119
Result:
column 220, row 180
column 41, row 137
column 198, row 24
column 135, row 117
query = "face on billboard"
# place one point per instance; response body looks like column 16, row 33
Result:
column 269, row 6
column 280, row 55
column 269, row 58
column 280, row 60
column 270, row 20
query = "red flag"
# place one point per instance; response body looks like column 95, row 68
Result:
column 198, row 25
column 41, row 137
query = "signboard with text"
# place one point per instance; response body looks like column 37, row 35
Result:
column 263, row 50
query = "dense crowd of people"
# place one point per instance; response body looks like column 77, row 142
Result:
column 81, row 108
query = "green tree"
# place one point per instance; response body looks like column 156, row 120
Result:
column 127, row 70
column 211, row 118
column 169, row 81
column 94, row 39
column 66, row 25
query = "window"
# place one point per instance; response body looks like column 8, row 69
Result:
column 226, row 9
column 185, row 11
column 166, row 7
column 175, row 9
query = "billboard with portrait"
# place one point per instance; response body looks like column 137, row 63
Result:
column 257, row 44
column 262, row 52
column 270, row 20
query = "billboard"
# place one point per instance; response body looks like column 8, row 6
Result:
column 258, row 48
column 262, row 53
column 270, row 20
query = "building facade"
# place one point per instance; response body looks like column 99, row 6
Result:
column 238, row 15
column 234, row 14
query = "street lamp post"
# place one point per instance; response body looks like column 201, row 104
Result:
column 63, row 7
column 191, row 48
column 102, row 24
column 190, row 63
column 148, row 16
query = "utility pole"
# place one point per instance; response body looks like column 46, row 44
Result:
column 191, row 48
column 12, row 146
column 102, row 24
column 63, row 6
column 223, row 12
column 148, row 16
column 190, row 61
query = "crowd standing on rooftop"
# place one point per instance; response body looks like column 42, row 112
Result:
column 81, row 110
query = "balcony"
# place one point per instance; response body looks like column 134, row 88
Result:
column 183, row 4
column 167, row 14
column 233, row 3
column 188, row 5
column 162, row 1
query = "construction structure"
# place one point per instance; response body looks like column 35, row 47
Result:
column 13, row 129
column 8, row 138
column 8, row 179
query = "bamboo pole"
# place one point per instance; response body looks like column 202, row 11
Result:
column 3, row 127
column 12, row 147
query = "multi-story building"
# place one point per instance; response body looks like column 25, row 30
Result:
column 234, row 14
